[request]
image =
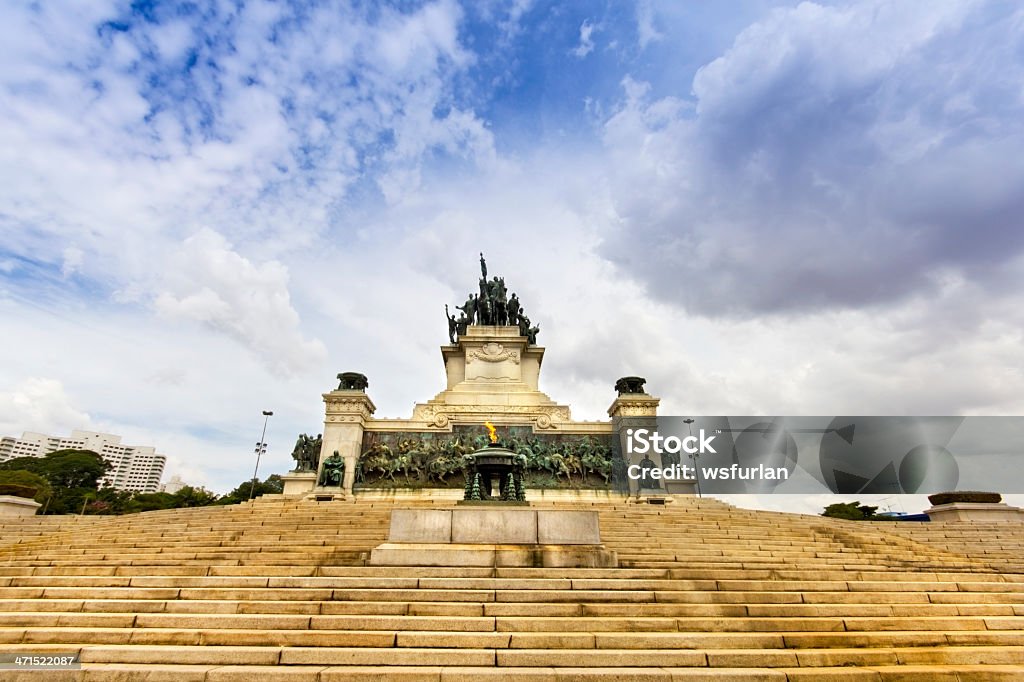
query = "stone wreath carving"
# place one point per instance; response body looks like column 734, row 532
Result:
column 494, row 352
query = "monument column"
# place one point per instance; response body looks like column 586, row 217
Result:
column 633, row 408
column 346, row 411
column 633, row 401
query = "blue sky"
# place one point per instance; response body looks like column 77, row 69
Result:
column 765, row 208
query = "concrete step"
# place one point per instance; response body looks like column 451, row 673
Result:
column 320, row 673
column 492, row 648
column 229, row 594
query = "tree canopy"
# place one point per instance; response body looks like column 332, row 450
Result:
column 63, row 468
column 29, row 479
column 67, row 482
column 71, row 474
column 851, row 511
column 271, row 486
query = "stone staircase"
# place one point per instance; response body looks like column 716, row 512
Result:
column 280, row 589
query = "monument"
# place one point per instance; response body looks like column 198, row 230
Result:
column 494, row 474
column 492, row 364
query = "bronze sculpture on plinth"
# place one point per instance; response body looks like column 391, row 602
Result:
column 493, row 463
column 492, row 306
column 307, row 452
column 334, row 471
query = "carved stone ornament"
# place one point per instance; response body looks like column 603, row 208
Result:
column 348, row 406
column 494, row 352
column 547, row 416
column 637, row 408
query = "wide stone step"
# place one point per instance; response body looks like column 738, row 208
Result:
column 530, row 640
column 492, row 648
column 320, row 673
column 322, row 607
column 654, row 624
column 150, row 589
column 278, row 621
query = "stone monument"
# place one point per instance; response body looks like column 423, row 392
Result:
column 492, row 367
column 494, row 473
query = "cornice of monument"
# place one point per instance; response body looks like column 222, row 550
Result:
column 634, row 405
column 348, row 405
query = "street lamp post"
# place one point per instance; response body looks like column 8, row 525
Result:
column 694, row 455
column 261, row 449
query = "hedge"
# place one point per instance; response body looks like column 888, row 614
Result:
column 17, row 490
column 964, row 496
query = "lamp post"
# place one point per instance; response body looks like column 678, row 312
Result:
column 261, row 449
column 694, row 455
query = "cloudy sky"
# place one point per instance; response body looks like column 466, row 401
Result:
column 763, row 207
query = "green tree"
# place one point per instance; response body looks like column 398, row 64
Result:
column 75, row 469
column 110, row 501
column 193, row 497
column 151, row 501
column 34, row 465
column 64, row 468
column 72, row 475
column 851, row 511
column 271, row 486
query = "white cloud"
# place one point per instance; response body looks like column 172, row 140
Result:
column 212, row 284
column 72, row 261
column 39, row 404
column 172, row 40
column 586, row 44
column 646, row 28
column 415, row 41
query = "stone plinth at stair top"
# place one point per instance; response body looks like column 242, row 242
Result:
column 493, row 537
column 298, row 482
column 981, row 512
column 17, row 506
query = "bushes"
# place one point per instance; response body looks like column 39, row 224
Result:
column 965, row 496
column 27, row 480
column 16, row 490
column 851, row 511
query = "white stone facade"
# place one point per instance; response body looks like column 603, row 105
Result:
column 135, row 468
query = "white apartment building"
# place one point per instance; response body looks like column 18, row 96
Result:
column 136, row 468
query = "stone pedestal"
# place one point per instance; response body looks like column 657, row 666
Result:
column 298, row 482
column 346, row 414
column 491, row 372
column 18, row 506
column 979, row 512
column 493, row 537
column 325, row 494
column 634, row 411
column 685, row 487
